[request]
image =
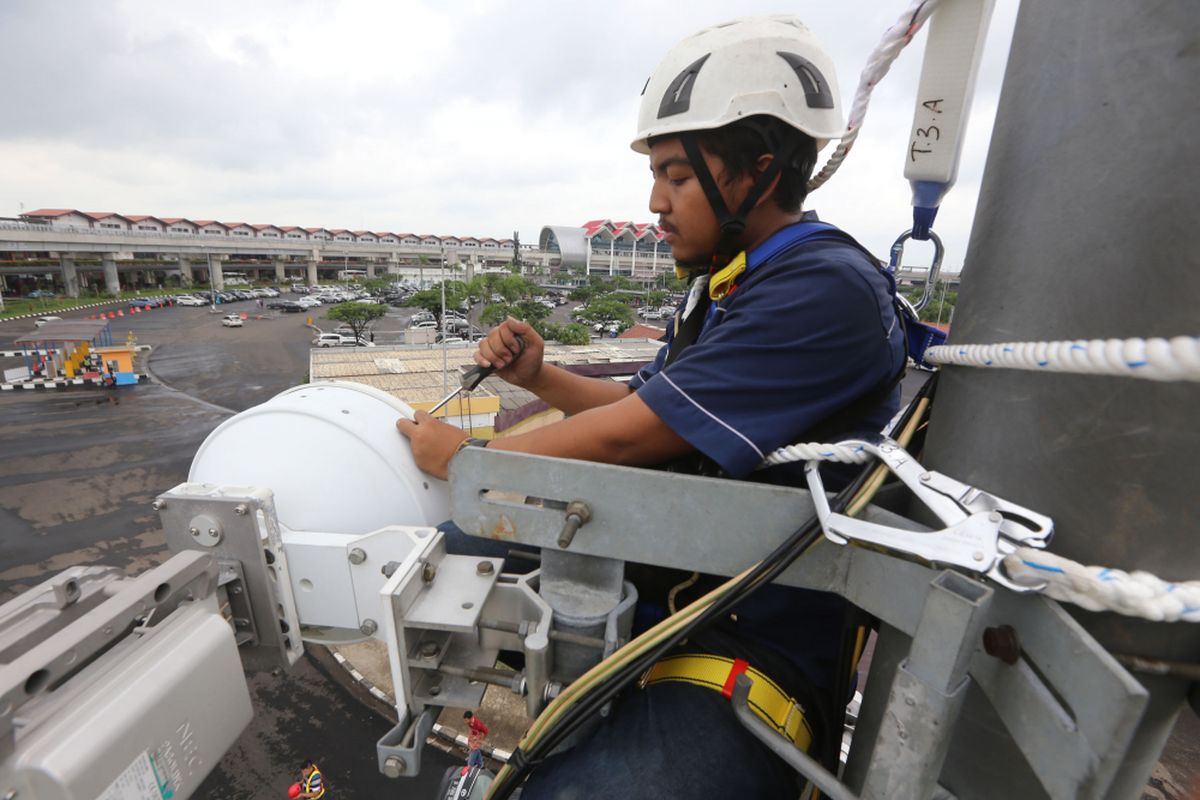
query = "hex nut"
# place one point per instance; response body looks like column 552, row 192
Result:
column 393, row 766
column 357, row 555
column 484, row 568
column 240, row 509
column 368, row 627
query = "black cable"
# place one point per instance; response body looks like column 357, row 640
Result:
column 763, row 573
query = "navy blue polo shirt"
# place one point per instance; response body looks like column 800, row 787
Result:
column 809, row 329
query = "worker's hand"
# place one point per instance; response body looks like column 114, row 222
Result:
column 500, row 348
column 434, row 443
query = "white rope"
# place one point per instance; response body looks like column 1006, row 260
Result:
column 1137, row 594
column 1176, row 359
column 812, row 451
column 894, row 39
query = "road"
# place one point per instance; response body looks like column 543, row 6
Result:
column 78, row 471
column 79, row 468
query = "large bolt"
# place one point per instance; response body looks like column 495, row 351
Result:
column 484, row 568
column 578, row 513
column 357, row 555
column 368, row 627
column 1001, row 642
column 389, row 569
column 158, row 505
column 194, row 531
column 393, row 766
column 429, row 649
column 428, row 572
column 240, row 509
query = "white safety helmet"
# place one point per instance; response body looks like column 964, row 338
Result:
column 770, row 65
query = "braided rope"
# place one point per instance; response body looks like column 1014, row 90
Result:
column 1176, row 359
column 1136, row 594
column 894, row 39
column 813, row 451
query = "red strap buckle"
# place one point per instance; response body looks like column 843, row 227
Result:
column 739, row 666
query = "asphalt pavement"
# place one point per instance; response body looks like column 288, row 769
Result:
column 79, row 468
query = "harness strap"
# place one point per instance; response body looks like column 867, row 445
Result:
column 771, row 703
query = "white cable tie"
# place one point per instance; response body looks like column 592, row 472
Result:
column 1157, row 359
column 1132, row 594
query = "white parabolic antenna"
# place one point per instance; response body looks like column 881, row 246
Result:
column 332, row 455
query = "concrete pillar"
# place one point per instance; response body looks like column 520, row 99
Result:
column 371, row 269
column 280, row 270
column 185, row 271
column 215, row 276
column 112, row 284
column 70, row 276
column 312, row 272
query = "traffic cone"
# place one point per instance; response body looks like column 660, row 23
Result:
column 148, row 307
column 120, row 312
column 112, row 315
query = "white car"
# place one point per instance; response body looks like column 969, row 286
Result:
column 188, row 300
column 423, row 325
column 43, row 320
column 308, row 301
column 231, row 321
column 339, row 340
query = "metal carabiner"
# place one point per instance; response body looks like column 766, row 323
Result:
column 935, row 268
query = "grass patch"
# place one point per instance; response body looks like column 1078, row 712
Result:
column 44, row 306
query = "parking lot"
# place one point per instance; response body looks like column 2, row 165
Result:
column 79, row 468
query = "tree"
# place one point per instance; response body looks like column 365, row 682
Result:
column 656, row 297
column 513, row 288
column 358, row 316
column 607, row 309
column 495, row 313
column 573, row 333
column 431, row 299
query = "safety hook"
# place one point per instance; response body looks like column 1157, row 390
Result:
column 934, row 269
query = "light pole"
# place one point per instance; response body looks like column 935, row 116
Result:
column 442, row 320
column 942, row 301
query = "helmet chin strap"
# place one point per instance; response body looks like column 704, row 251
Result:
column 732, row 225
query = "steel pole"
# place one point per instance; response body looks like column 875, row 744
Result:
column 1085, row 228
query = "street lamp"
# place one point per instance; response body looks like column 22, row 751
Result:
column 445, row 357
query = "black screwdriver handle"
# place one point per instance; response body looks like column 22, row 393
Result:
column 475, row 375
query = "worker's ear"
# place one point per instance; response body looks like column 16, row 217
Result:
column 760, row 166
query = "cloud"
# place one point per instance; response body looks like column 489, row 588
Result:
column 476, row 117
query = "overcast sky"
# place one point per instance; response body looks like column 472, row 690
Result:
column 467, row 118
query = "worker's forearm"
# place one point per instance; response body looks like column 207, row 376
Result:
column 571, row 393
column 625, row 432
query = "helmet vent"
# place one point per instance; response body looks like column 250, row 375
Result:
column 678, row 96
column 816, row 88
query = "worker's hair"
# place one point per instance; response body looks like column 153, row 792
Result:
column 467, row 715
column 308, row 762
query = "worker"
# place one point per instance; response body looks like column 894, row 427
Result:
column 787, row 334
column 312, row 782
column 477, row 731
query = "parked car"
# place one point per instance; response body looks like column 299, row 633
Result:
column 308, row 301
column 40, row 321
column 40, row 293
column 188, row 300
column 423, row 325
column 339, row 340
column 290, row 307
column 232, row 321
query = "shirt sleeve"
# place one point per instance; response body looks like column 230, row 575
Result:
column 799, row 340
column 650, row 370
